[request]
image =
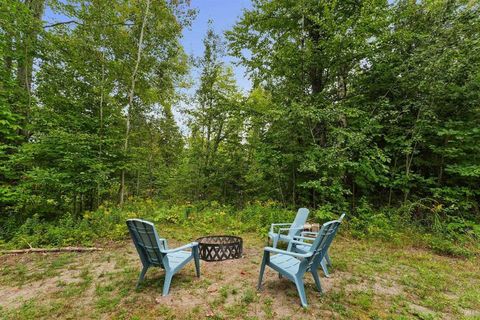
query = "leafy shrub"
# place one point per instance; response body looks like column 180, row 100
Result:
column 63, row 232
column 374, row 223
column 108, row 223
column 457, row 228
column 325, row 213
column 445, row 246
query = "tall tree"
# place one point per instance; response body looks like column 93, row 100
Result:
column 216, row 125
column 372, row 99
column 306, row 53
column 132, row 92
column 95, row 76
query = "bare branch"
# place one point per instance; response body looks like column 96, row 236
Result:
column 128, row 24
column 46, row 250
column 60, row 23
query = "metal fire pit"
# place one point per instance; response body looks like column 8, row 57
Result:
column 218, row 248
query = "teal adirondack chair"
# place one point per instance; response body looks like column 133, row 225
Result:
column 289, row 230
column 305, row 247
column 154, row 252
column 294, row 265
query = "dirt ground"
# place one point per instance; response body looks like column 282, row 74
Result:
column 369, row 280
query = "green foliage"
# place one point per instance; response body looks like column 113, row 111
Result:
column 108, row 222
column 62, row 139
column 368, row 223
column 458, row 238
column 365, row 107
column 214, row 166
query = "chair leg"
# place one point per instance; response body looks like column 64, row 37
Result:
column 317, row 280
column 262, row 270
column 166, row 284
column 301, row 291
column 196, row 258
column 329, row 262
column 324, row 268
column 142, row 275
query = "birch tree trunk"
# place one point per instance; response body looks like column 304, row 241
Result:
column 26, row 46
column 130, row 97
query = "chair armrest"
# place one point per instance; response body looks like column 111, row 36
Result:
column 289, row 253
column 280, row 230
column 300, row 243
column 187, row 246
column 285, row 229
column 304, row 238
column 273, row 225
column 309, row 233
column 292, row 243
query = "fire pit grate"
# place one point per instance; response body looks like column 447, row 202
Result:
column 218, row 248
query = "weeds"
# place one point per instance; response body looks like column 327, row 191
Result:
column 108, row 223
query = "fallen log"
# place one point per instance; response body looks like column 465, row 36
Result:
column 50, row 250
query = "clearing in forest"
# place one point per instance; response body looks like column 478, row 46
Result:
column 370, row 279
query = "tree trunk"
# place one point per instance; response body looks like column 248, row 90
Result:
column 100, row 129
column 353, row 194
column 8, row 58
column 442, row 163
column 294, row 184
column 26, row 47
column 390, row 193
column 409, row 159
column 137, row 188
column 75, row 203
column 316, row 77
column 130, row 98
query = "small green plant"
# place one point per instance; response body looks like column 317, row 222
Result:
column 249, row 296
column 267, row 308
column 458, row 237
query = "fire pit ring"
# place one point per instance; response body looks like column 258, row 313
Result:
column 219, row 248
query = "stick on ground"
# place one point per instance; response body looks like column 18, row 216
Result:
column 49, row 250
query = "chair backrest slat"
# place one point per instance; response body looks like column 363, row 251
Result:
column 299, row 222
column 323, row 241
column 146, row 241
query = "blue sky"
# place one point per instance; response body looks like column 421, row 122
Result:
column 224, row 14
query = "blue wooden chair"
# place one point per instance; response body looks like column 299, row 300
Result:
column 305, row 247
column 154, row 252
column 289, row 230
column 294, row 265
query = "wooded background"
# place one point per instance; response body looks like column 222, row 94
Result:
column 354, row 105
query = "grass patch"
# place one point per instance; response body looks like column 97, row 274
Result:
column 370, row 279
